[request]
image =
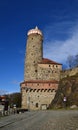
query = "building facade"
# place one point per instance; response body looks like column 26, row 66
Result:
column 41, row 75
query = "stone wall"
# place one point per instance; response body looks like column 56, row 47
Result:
column 49, row 72
column 69, row 72
column 34, row 54
column 24, row 98
column 34, row 99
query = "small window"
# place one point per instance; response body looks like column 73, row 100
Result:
column 35, row 70
column 49, row 65
column 36, row 104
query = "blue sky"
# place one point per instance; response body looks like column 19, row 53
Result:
column 58, row 20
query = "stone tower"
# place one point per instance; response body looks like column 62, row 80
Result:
column 34, row 54
column 41, row 75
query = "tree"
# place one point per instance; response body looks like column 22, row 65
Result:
column 70, row 61
column 15, row 98
column 76, row 60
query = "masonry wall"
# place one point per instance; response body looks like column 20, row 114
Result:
column 49, row 72
column 69, row 72
column 34, row 54
column 34, row 99
column 24, row 98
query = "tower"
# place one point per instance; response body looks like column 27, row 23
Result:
column 34, row 53
column 41, row 75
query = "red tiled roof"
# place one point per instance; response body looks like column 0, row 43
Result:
column 48, row 61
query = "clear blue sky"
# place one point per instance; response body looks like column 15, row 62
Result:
column 58, row 20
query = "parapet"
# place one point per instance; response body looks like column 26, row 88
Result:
column 35, row 31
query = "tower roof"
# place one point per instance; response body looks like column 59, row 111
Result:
column 35, row 30
column 48, row 61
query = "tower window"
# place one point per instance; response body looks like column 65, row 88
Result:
column 36, row 104
column 35, row 70
column 49, row 84
column 49, row 65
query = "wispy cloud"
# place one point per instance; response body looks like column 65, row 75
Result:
column 59, row 30
column 59, row 49
column 2, row 92
column 15, row 82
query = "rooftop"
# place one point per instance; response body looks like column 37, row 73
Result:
column 35, row 30
column 48, row 61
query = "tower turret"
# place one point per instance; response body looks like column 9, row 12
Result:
column 34, row 53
